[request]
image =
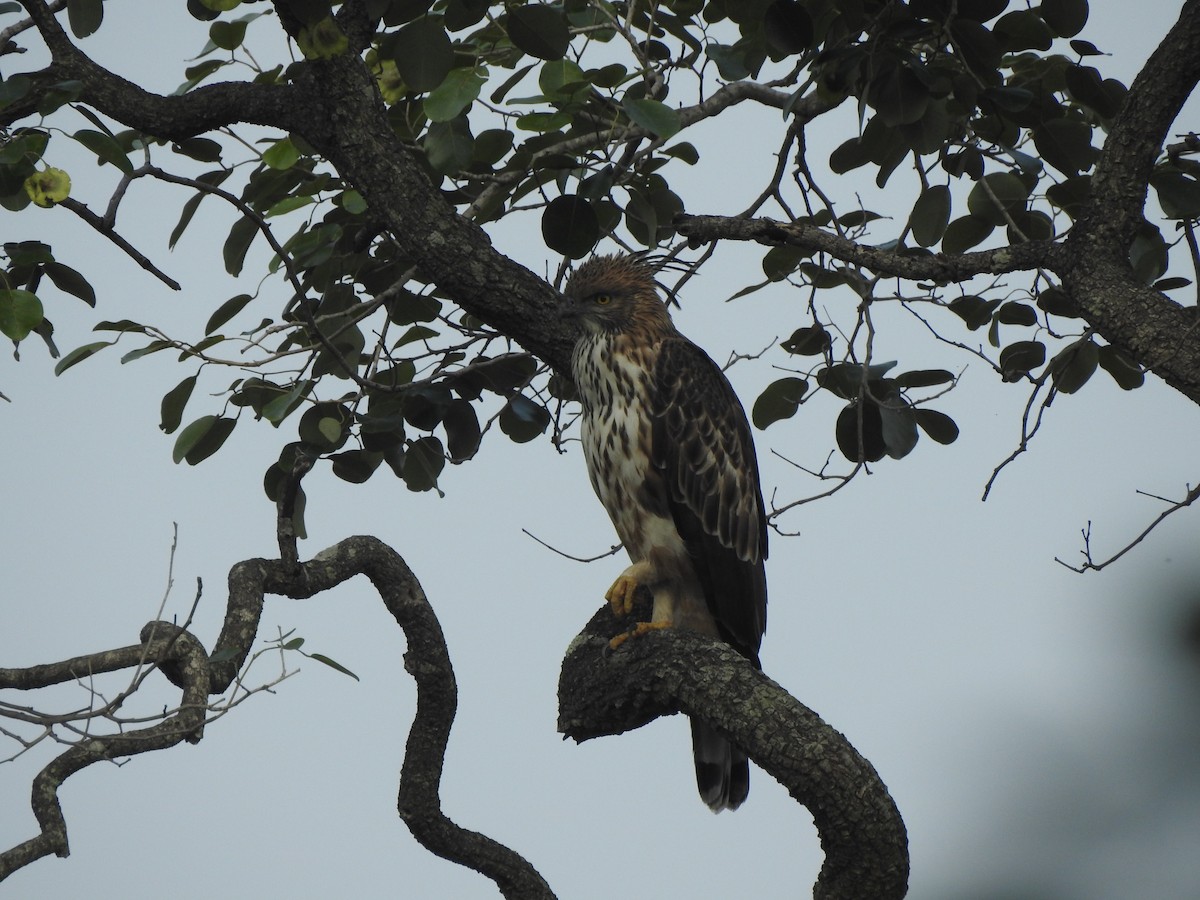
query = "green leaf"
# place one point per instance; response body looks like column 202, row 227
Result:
column 241, row 235
column 538, row 30
column 860, row 445
column 939, row 426
column 70, row 281
column 1024, row 30
column 456, row 92
column 782, row 261
column 173, row 402
column 1066, row 144
column 281, row 155
column 1020, row 358
column 899, row 95
column 281, row 407
column 1010, row 195
column 923, row 378
column 152, row 347
column 322, row 658
column 510, row 82
column 1013, row 313
column 964, row 233
column 79, row 354
column 1089, row 88
column 185, row 217
column 462, row 430
column 84, row 16
column 1057, row 302
column 190, row 436
column 561, row 75
column 105, row 147
column 930, row 215
column 1125, row 372
column 202, row 438
column 683, row 151
column 491, row 146
column 323, row 426
column 974, row 311
column 287, row 205
column 356, row 466
column 787, row 27
column 13, row 89
column 20, row 313
column 570, row 226
column 228, row 35
column 779, row 401
column 522, row 419
column 202, row 150
column 898, row 427
column 1071, row 194
column 226, row 311
column 657, row 118
column 449, row 145
column 812, row 340
column 1072, row 367
column 1178, row 194
column 196, row 74
column 423, row 462
column 1066, row 17
column 422, row 52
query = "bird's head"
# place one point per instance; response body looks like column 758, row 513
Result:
column 615, row 294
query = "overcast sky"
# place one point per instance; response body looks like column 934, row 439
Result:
column 1037, row 728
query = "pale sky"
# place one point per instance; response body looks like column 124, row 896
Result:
column 1032, row 724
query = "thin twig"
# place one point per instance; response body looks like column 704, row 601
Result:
column 1089, row 564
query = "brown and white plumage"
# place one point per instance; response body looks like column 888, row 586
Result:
column 670, row 455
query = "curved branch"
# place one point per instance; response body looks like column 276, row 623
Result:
column 941, row 268
column 665, row 672
column 183, row 661
column 1161, row 334
column 347, row 122
column 163, row 643
column 175, row 117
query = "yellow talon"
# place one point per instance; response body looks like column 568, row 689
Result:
column 620, row 595
column 637, row 631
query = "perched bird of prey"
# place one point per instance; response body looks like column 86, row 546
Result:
column 670, row 455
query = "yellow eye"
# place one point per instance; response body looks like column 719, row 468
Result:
column 603, row 299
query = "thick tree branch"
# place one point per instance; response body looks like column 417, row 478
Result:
column 348, row 124
column 1161, row 334
column 940, row 268
column 174, row 118
column 661, row 673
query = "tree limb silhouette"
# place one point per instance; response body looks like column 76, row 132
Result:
column 661, row 673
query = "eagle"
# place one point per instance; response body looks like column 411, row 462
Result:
column 670, row 455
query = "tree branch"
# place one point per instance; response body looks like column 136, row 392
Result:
column 661, row 673
column 175, row 117
column 940, row 268
column 1161, row 334
column 182, row 659
column 162, row 642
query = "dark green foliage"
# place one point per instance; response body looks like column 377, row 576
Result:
column 990, row 102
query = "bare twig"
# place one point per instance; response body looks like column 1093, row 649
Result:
column 1089, row 563
column 102, row 226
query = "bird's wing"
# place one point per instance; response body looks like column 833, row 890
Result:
column 703, row 446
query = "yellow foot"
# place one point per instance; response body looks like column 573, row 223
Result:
column 620, row 595
column 637, row 631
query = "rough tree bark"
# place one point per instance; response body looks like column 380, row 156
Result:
column 661, row 673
